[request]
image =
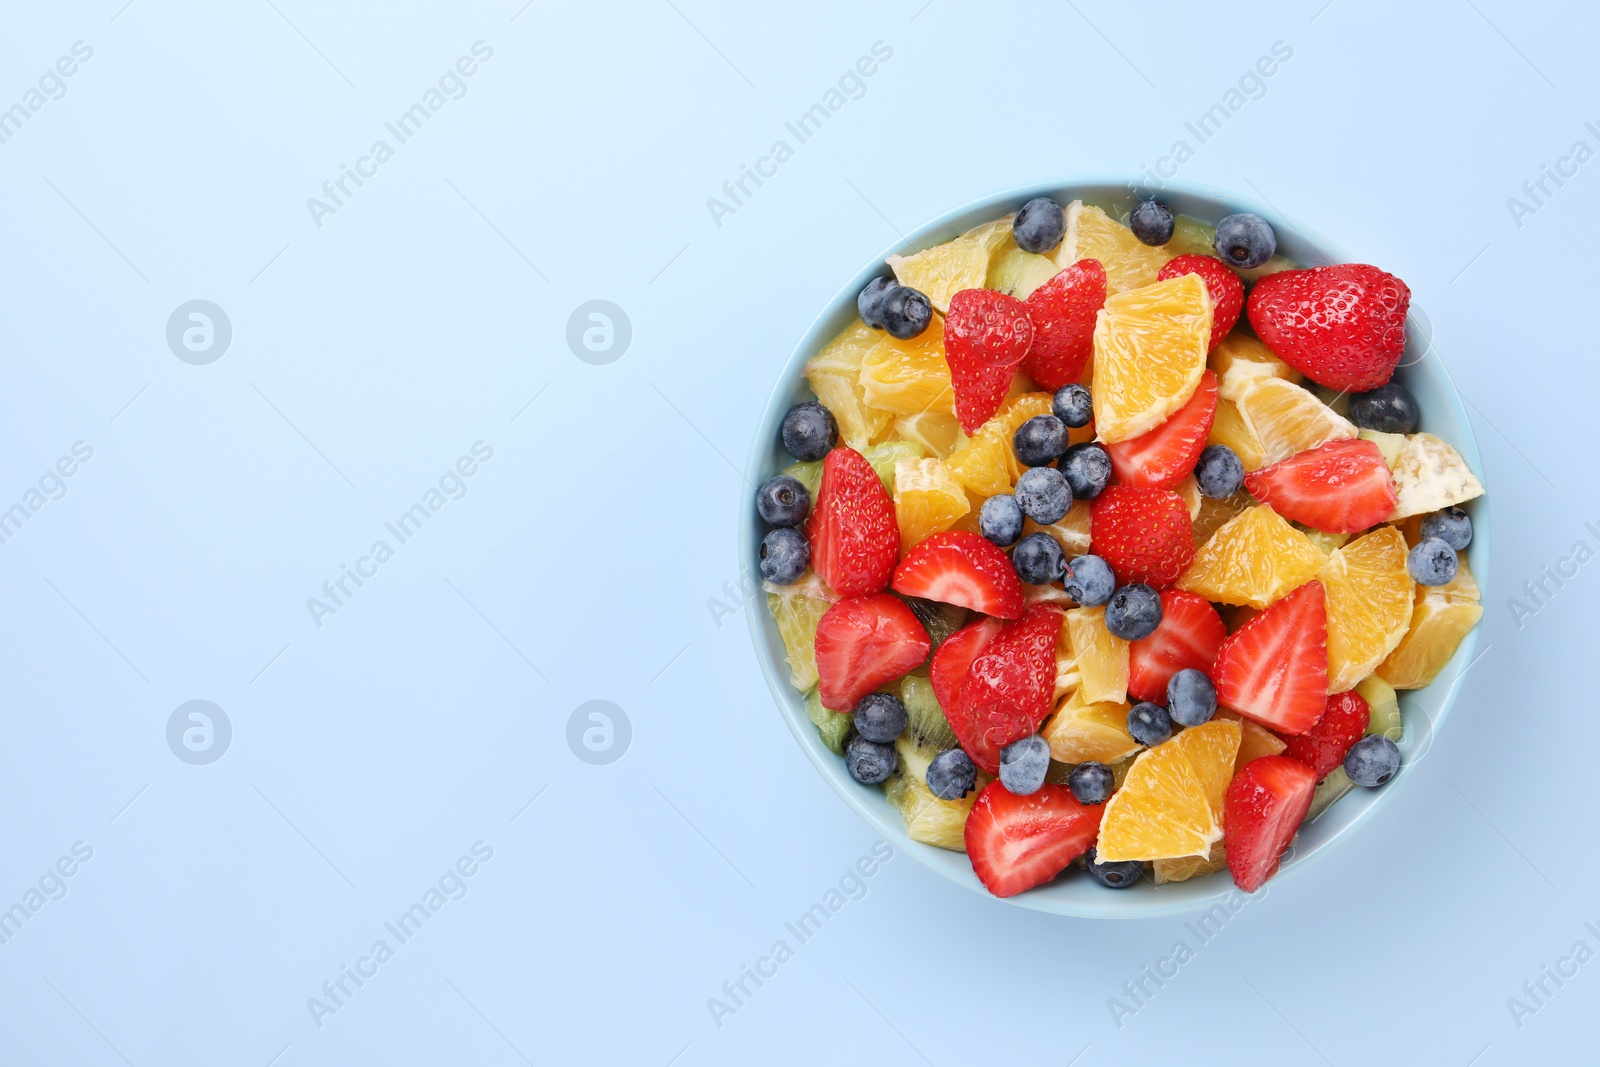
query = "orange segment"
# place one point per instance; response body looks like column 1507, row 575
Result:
column 1229, row 428
column 1187, row 867
column 1083, row 730
column 835, row 376
column 1255, row 741
column 1442, row 616
column 1254, row 559
column 927, row 499
column 1257, row 358
column 1284, row 417
column 1214, row 514
column 1149, row 353
column 1071, row 533
column 1092, row 234
column 937, row 431
column 1369, row 604
column 1171, row 803
column 908, row 377
column 944, row 270
column 1102, row 656
column 986, row 463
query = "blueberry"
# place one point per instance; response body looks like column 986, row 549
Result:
column 951, row 775
column 1388, row 409
column 785, row 555
column 1073, row 405
column 1023, row 765
column 1134, row 611
column 1088, row 469
column 881, row 717
column 1151, row 222
column 1118, row 875
column 1452, row 526
column 1191, row 698
column 1090, row 581
column 870, row 762
column 1040, row 225
column 870, row 303
column 1000, row 520
column 1220, row 472
column 1090, row 782
column 1038, row 559
column 1149, row 723
column 1044, row 495
column 809, row 432
column 906, row 312
column 1039, row 440
column 1244, row 241
column 1432, row 562
column 783, row 501
column 1372, row 761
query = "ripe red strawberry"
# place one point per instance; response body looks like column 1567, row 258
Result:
column 1145, row 534
column 1189, row 635
column 1227, row 291
column 1323, row 745
column 961, row 568
column 955, row 656
column 1006, row 693
column 1343, row 326
column 1338, row 487
column 1274, row 668
column 1167, row 454
column 1265, row 804
column 1016, row 843
column 855, row 541
column 988, row 327
column 1062, row 311
column 864, row 642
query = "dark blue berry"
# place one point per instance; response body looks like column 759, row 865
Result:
column 1134, row 611
column 1088, row 469
column 1000, row 520
column 1191, row 698
column 881, row 717
column 1118, row 875
column 1151, row 222
column 1043, row 495
column 870, row 762
column 1149, row 723
column 1220, row 472
column 1039, row 440
column 1023, row 765
column 785, row 555
column 1040, row 225
column 1038, row 559
column 1372, row 761
column 783, row 501
column 1244, row 241
column 1073, row 405
column 809, row 432
column 1090, row 783
column 870, row 303
column 1388, row 409
column 951, row 775
column 1432, row 562
column 906, row 312
column 1452, row 526
column 1090, row 581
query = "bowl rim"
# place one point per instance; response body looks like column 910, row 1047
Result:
column 882, row 818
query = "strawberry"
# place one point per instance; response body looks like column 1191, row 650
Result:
column 988, row 327
column 1006, row 693
column 1338, row 487
column 961, row 568
column 1323, row 745
column 1016, row 843
column 1062, row 311
column 1227, row 291
column 1189, row 635
column 1167, row 454
column 1263, row 808
column 1145, row 534
column 1274, row 668
column 1343, row 326
column 864, row 642
column 855, row 541
column 955, row 656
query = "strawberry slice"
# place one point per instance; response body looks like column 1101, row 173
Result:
column 1338, row 487
column 1145, row 534
column 855, row 540
column 1225, row 287
column 961, row 568
column 1016, row 843
column 1323, row 745
column 864, row 642
column 1274, row 668
column 1188, row 636
column 987, row 327
column 1265, row 804
column 1167, row 454
column 1342, row 326
column 1063, row 311
column 955, row 656
column 1006, row 693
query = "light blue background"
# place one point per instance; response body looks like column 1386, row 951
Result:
column 588, row 557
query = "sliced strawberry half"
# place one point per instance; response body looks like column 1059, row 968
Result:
column 1338, row 487
column 1188, row 636
column 864, row 642
column 1063, row 311
column 1006, row 693
column 964, row 569
column 1274, row 668
column 1265, row 804
column 1167, row 454
column 988, row 327
column 1323, row 746
column 955, row 656
column 855, row 540
column 1016, row 843
column 1225, row 287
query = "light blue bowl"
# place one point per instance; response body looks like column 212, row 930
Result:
column 1074, row 893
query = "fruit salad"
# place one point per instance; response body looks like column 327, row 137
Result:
column 1108, row 543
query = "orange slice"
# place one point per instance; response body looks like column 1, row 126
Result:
column 927, row 499
column 1229, row 428
column 1102, row 656
column 835, row 376
column 908, row 377
column 944, row 270
column 1071, row 533
column 1369, row 604
column 1283, row 417
column 1170, row 806
column 1254, row 559
column 1187, row 867
column 1149, row 354
column 1083, row 730
column 986, row 463
column 1092, row 234
column 1214, row 514
column 1441, row 617
column 937, row 431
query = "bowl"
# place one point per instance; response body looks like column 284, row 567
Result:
column 1074, row 893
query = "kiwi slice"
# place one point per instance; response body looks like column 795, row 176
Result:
column 808, row 474
column 1380, row 697
column 940, row 620
column 928, row 727
column 1331, row 788
column 928, row 819
column 834, row 726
